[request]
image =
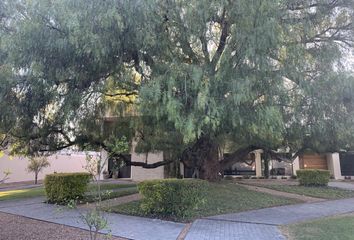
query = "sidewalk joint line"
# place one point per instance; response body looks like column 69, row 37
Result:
column 238, row 221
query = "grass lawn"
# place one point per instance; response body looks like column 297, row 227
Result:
column 39, row 192
column 331, row 228
column 23, row 193
column 106, row 194
column 110, row 186
column 221, row 198
column 319, row 192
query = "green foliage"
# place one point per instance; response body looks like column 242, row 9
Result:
column 221, row 198
column 96, row 221
column 313, row 177
column 36, row 164
column 250, row 74
column 172, row 197
column 63, row 187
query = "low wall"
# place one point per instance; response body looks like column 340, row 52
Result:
column 62, row 162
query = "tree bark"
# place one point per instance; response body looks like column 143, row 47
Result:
column 35, row 178
column 203, row 156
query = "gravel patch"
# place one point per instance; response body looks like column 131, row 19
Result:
column 13, row 227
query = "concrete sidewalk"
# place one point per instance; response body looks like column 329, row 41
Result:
column 256, row 224
column 130, row 227
column 342, row 185
column 262, row 224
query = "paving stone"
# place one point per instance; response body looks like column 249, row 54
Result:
column 204, row 229
column 131, row 227
column 291, row 213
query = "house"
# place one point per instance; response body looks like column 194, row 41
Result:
column 339, row 165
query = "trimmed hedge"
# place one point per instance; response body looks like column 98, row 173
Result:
column 172, row 197
column 63, row 187
column 313, row 177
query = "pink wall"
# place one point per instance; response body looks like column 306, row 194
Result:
column 74, row 162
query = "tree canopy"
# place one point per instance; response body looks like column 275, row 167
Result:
column 196, row 78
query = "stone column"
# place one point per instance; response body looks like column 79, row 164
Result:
column 334, row 165
column 258, row 163
column 104, row 157
column 181, row 169
column 296, row 165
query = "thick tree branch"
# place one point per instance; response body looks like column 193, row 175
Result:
column 222, row 42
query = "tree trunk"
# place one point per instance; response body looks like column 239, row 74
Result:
column 204, row 157
column 211, row 169
column 266, row 166
column 35, row 178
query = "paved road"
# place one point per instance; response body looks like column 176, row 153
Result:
column 262, row 224
column 130, row 227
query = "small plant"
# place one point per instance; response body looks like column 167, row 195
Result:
column 94, row 219
column 105, row 174
column 6, row 176
column 36, row 165
column 96, row 222
column 228, row 177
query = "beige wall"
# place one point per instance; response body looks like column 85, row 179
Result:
column 74, row 162
column 140, row 174
column 333, row 163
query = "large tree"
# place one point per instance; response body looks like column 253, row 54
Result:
column 201, row 77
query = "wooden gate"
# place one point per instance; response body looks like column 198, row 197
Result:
column 313, row 161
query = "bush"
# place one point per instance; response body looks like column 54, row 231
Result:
column 63, row 187
column 313, row 177
column 172, row 197
column 228, row 177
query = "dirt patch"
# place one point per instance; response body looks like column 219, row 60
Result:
column 14, row 227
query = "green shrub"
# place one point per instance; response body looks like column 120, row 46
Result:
column 313, row 177
column 228, row 177
column 172, row 197
column 63, row 187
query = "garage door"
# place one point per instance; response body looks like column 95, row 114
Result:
column 347, row 164
column 313, row 161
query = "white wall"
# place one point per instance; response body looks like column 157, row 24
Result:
column 74, row 162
